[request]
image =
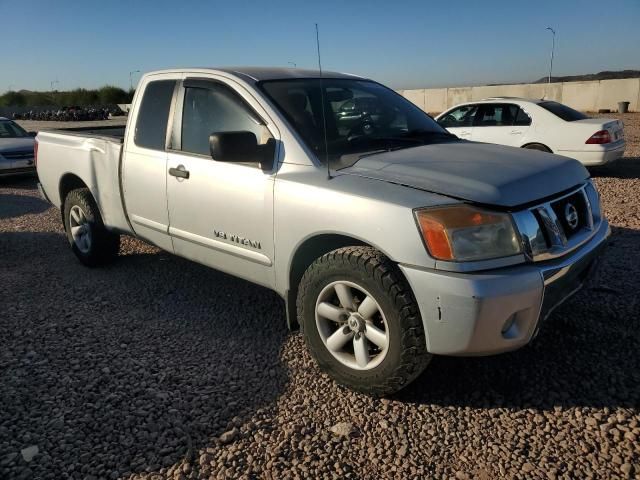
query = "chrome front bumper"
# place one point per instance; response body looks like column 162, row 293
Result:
column 499, row 310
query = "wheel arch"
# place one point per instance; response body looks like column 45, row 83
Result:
column 305, row 254
column 528, row 144
column 68, row 182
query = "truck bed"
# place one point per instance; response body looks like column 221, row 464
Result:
column 109, row 133
column 89, row 156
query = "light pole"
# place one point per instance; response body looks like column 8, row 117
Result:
column 553, row 47
column 292, row 63
column 131, row 78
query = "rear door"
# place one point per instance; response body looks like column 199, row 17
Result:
column 144, row 171
column 222, row 214
column 459, row 121
column 501, row 123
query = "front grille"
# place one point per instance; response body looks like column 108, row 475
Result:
column 560, row 225
column 572, row 212
column 17, row 155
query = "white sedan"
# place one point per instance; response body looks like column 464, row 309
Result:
column 539, row 125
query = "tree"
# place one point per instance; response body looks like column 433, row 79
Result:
column 109, row 95
column 13, row 99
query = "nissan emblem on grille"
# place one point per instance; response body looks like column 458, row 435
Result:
column 571, row 215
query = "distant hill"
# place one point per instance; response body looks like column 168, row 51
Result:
column 593, row 76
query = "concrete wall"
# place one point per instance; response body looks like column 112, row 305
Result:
column 585, row 96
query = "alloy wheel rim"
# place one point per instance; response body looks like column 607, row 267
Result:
column 352, row 325
column 80, row 229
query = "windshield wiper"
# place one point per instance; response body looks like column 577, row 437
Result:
column 390, row 149
column 428, row 133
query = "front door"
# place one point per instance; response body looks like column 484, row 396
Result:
column 459, row 121
column 220, row 214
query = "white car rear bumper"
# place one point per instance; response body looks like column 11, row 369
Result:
column 601, row 156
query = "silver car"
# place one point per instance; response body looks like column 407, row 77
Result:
column 16, row 149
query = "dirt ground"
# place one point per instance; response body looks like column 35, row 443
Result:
column 156, row 367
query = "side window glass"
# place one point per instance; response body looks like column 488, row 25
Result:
column 496, row 115
column 522, row 119
column 460, row 117
column 216, row 109
column 153, row 115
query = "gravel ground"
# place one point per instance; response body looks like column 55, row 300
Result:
column 157, row 367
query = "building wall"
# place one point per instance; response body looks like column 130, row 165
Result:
column 585, row 96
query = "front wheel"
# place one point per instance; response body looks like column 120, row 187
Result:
column 90, row 241
column 361, row 321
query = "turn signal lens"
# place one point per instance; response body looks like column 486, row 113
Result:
column 465, row 233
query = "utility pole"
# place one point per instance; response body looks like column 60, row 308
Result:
column 131, row 78
column 553, row 47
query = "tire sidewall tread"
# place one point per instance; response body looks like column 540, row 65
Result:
column 407, row 355
column 104, row 244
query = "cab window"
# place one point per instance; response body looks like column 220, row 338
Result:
column 151, row 123
column 215, row 109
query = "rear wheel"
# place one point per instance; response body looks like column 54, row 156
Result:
column 90, row 241
column 361, row 322
column 538, row 146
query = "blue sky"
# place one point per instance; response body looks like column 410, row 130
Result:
column 402, row 44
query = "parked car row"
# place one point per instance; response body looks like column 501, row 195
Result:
column 71, row 114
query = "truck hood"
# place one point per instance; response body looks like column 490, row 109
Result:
column 477, row 172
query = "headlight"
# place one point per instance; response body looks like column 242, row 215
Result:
column 464, row 233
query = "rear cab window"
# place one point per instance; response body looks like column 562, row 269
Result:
column 153, row 114
column 567, row 114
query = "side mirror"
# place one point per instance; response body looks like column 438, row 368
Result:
column 233, row 146
column 32, row 134
column 240, row 147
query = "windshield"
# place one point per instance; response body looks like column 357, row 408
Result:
column 9, row 129
column 362, row 117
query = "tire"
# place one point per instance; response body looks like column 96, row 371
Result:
column 93, row 244
column 538, row 146
column 364, row 272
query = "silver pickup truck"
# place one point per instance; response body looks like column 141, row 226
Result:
column 389, row 239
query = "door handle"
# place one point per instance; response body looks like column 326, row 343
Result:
column 179, row 172
column 516, row 132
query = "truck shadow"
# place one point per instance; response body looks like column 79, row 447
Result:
column 133, row 367
column 22, row 182
column 626, row 167
column 17, row 205
column 586, row 354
